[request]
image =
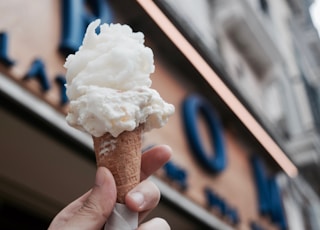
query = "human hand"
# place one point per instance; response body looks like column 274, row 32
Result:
column 91, row 210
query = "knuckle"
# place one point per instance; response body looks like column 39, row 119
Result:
column 91, row 208
column 152, row 194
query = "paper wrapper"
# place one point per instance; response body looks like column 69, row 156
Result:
column 122, row 156
column 122, row 219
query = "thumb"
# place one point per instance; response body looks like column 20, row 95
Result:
column 99, row 204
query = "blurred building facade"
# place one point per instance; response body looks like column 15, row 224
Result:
column 270, row 52
column 266, row 52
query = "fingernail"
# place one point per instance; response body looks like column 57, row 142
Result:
column 100, row 177
column 138, row 198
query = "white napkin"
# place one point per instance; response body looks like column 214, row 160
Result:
column 122, row 218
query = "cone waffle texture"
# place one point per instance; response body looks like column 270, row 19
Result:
column 122, row 156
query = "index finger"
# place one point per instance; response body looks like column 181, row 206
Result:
column 153, row 159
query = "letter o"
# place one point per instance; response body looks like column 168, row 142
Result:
column 194, row 106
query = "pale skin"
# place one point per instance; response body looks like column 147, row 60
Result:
column 91, row 210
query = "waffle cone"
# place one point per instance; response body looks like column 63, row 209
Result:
column 122, row 156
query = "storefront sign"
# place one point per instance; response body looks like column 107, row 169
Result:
column 4, row 57
column 269, row 198
column 195, row 106
column 76, row 16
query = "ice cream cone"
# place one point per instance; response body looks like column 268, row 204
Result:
column 122, row 156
